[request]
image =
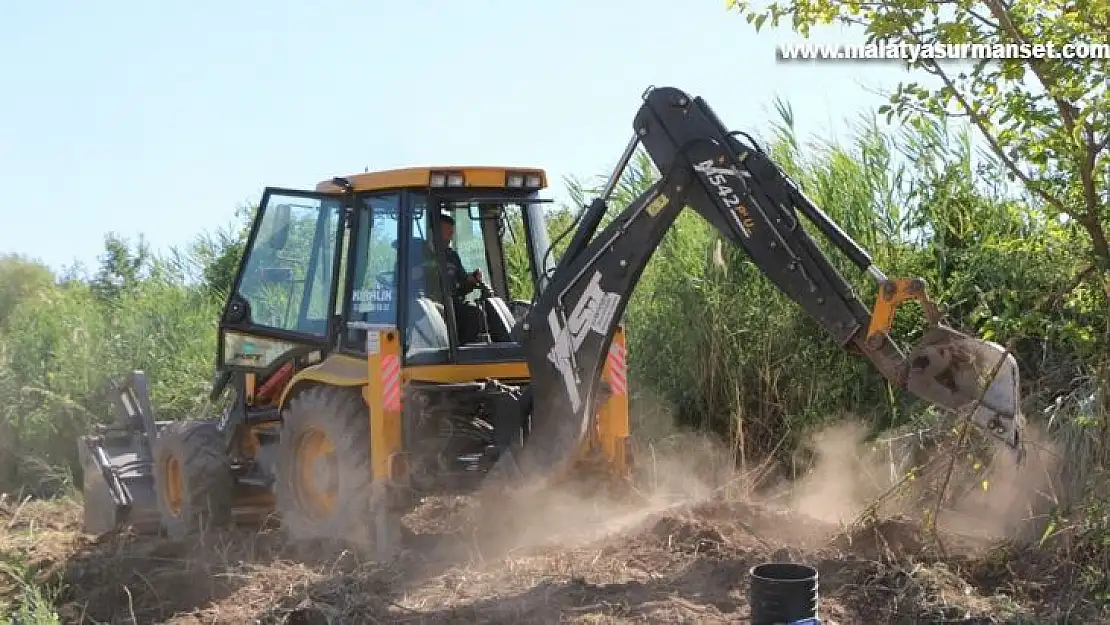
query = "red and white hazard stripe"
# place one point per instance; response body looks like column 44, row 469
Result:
column 618, row 369
column 391, row 382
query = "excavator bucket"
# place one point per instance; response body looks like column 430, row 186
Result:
column 968, row 375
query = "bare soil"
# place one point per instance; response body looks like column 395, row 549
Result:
column 679, row 563
column 679, row 552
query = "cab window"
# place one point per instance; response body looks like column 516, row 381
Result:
column 425, row 334
column 468, row 242
column 287, row 276
column 374, row 293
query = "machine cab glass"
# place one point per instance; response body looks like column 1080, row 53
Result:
column 323, row 269
column 282, row 295
column 375, row 281
column 457, row 281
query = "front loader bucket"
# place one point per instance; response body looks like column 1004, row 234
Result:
column 118, row 487
column 969, row 375
column 117, row 463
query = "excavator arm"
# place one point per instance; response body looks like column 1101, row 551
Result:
column 739, row 190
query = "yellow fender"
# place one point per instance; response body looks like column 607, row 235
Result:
column 335, row 370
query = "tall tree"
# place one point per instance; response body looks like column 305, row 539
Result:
column 20, row 278
column 121, row 267
column 219, row 253
column 1035, row 86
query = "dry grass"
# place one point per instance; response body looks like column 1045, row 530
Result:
column 680, row 553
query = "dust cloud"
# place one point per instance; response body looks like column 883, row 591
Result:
column 675, row 469
column 1012, row 499
column 846, row 479
column 679, row 475
column 988, row 498
column 842, row 482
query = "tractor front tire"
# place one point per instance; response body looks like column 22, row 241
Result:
column 325, row 489
column 192, row 479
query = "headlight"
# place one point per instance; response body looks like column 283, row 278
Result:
column 532, row 182
column 438, row 180
column 455, row 180
column 515, row 180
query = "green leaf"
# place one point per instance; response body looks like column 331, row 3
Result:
column 1018, row 104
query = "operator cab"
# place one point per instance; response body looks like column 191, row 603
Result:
column 323, row 267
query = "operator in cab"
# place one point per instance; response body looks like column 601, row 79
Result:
column 460, row 283
column 463, row 283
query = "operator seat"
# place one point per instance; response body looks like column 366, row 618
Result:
column 428, row 330
column 500, row 319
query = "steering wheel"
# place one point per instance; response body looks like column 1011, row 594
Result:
column 485, row 291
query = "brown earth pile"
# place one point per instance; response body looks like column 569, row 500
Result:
column 678, row 554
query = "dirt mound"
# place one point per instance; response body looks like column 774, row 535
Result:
column 685, row 563
column 680, row 553
column 887, row 540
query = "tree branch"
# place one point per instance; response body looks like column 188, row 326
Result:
column 934, row 68
column 1067, row 111
column 995, row 147
column 1052, row 300
column 984, row 20
column 1102, row 145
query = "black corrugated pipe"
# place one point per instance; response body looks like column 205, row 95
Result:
column 783, row 592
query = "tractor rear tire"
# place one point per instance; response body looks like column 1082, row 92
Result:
column 325, row 490
column 192, row 478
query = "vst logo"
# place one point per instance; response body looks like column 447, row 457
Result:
column 594, row 311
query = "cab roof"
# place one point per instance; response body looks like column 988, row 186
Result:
column 460, row 176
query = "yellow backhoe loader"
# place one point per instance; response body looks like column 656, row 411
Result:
column 375, row 351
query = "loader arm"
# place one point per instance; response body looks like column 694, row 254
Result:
column 746, row 196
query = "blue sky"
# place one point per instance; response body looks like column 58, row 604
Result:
column 161, row 117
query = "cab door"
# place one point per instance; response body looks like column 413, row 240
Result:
column 283, row 296
column 373, row 298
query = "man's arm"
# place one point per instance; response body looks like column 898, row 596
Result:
column 467, row 281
